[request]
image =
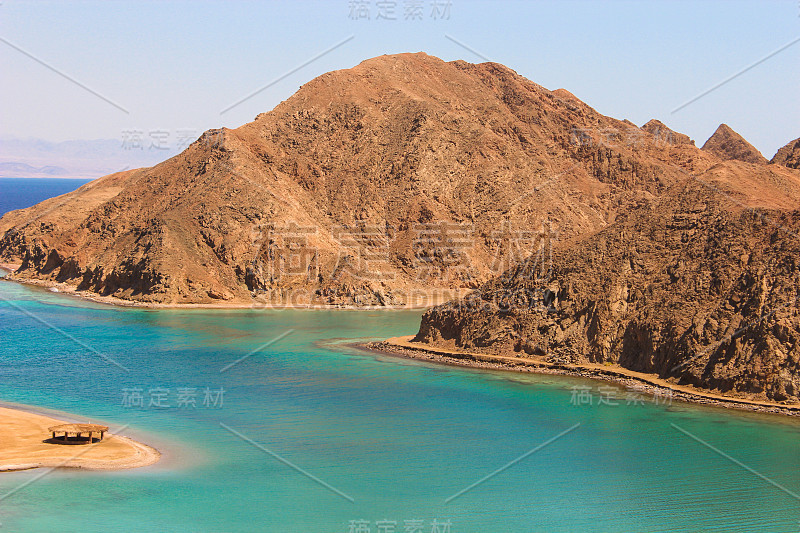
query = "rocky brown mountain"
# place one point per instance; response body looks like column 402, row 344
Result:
column 789, row 155
column 661, row 132
column 376, row 185
column 700, row 286
column 585, row 238
column 727, row 144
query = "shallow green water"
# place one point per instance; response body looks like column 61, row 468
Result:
column 399, row 438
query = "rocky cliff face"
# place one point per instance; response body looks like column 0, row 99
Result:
column 700, row 286
column 789, row 155
column 727, row 144
column 370, row 186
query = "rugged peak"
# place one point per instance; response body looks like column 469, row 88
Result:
column 390, row 60
column 789, row 155
column 420, row 63
column 339, row 194
column 727, row 144
column 662, row 133
column 563, row 93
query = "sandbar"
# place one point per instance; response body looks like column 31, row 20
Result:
column 24, row 445
column 648, row 383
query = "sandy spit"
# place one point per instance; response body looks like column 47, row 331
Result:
column 646, row 383
column 23, row 445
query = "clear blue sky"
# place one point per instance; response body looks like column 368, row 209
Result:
column 174, row 66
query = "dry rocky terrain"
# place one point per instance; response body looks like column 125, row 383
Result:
column 699, row 285
column 584, row 237
column 789, row 155
column 369, row 186
column 727, row 144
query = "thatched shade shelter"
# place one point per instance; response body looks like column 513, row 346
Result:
column 77, row 433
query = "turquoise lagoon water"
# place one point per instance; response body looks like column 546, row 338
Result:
column 310, row 434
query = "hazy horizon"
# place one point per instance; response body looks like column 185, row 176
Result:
column 166, row 72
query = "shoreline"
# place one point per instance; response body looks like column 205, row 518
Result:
column 647, row 383
column 68, row 290
column 24, row 446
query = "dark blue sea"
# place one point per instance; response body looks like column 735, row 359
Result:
column 19, row 193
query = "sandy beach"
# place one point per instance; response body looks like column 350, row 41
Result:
column 648, row 383
column 23, row 446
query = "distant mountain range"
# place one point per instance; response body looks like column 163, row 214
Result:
column 8, row 170
column 36, row 158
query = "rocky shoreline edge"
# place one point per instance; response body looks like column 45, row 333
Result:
column 70, row 290
column 638, row 382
